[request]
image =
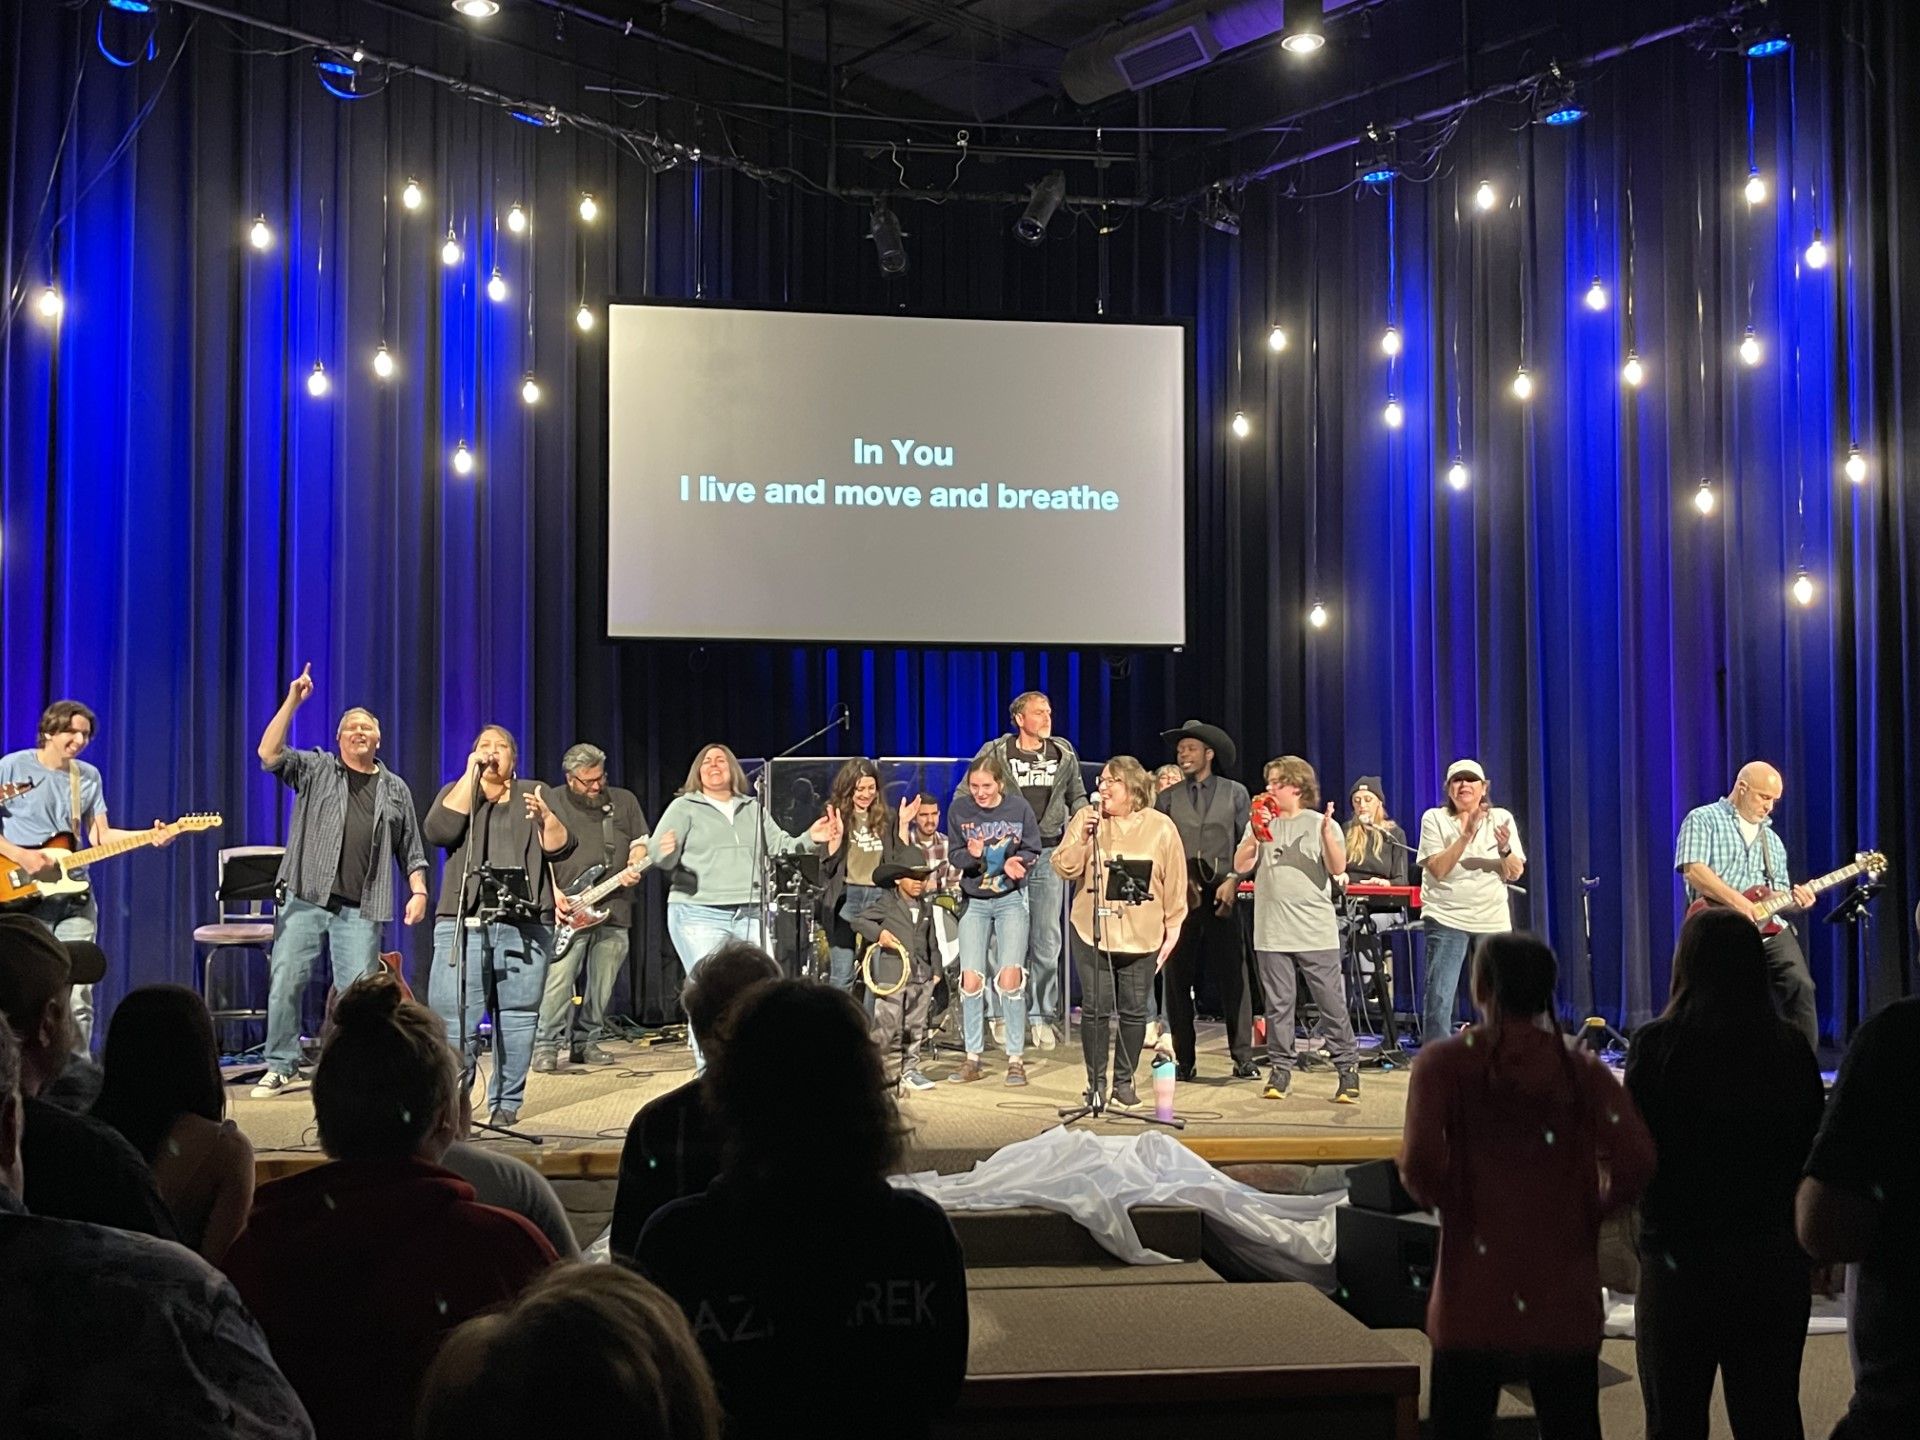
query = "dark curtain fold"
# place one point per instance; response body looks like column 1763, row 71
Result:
column 184, row 525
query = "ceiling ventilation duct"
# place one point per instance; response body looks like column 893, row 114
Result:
column 1184, row 38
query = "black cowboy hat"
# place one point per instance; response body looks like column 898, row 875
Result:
column 887, row 872
column 1211, row 736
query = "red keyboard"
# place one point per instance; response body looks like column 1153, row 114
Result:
column 1408, row 893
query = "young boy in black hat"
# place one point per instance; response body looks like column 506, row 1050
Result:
column 902, row 919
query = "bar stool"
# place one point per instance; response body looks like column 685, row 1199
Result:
column 245, row 898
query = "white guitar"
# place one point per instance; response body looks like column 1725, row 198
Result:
column 18, row 888
column 587, row 893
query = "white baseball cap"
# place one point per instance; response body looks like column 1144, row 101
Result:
column 1469, row 768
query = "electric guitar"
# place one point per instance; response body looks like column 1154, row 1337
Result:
column 586, row 894
column 14, row 789
column 1768, row 903
column 17, row 887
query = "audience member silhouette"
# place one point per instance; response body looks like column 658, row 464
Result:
column 1523, row 1144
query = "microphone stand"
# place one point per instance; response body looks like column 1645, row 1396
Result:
column 761, row 786
column 1853, row 912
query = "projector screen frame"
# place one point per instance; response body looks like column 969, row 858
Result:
column 1189, row 469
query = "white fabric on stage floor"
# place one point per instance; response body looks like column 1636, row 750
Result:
column 1096, row 1179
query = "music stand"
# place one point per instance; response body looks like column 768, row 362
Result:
column 1854, row 911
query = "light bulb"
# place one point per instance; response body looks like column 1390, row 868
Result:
column 450, row 252
column 1394, row 414
column 496, row 286
column 1817, row 252
column 462, row 459
column 1803, row 588
column 1522, row 384
column 517, row 219
column 1486, row 197
column 1703, row 497
column 588, row 207
column 261, row 235
column 317, row 382
column 1633, row 372
column 1242, row 427
column 1750, row 348
column 477, row 9
column 1276, row 339
column 1317, row 616
column 49, row 304
column 530, row 389
column 1390, row 341
column 383, row 362
column 1756, row 187
column 1856, row 466
column 412, row 195
column 583, row 317
column 1457, row 476
column 1597, row 295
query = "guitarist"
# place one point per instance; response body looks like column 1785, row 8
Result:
column 612, row 832
column 1728, row 848
column 67, row 798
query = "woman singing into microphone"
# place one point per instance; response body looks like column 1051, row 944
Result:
column 1376, row 845
column 1120, row 941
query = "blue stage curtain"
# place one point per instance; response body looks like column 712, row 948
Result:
column 184, row 527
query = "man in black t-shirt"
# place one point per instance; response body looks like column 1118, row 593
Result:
column 612, row 832
column 1860, row 1203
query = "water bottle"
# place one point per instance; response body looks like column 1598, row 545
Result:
column 1162, row 1085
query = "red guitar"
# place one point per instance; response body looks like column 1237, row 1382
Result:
column 1768, row 903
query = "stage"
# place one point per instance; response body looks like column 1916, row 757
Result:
column 583, row 1112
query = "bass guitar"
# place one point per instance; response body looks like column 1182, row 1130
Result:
column 1769, row 903
column 17, row 887
column 586, row 894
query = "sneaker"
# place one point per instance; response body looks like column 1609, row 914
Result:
column 547, row 1062
column 271, row 1084
column 1277, row 1082
column 1349, row 1091
column 503, row 1117
column 998, row 1029
column 970, row 1070
column 1125, row 1097
column 1246, row 1070
column 914, row 1080
column 1042, row 1036
column 594, row 1055
column 1016, row 1071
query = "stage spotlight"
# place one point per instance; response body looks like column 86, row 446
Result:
column 317, row 382
column 1703, row 497
column 412, row 195
column 1597, row 295
column 1301, row 29
column 1390, row 341
column 1522, row 384
column 451, row 252
column 883, row 228
column 1317, row 616
column 1048, row 192
column 1485, row 197
column 383, row 362
column 1756, row 191
column 1856, row 466
column 1802, row 587
column 1242, row 427
column 1764, row 41
column 1394, row 414
column 517, row 219
column 49, row 304
column 1633, row 372
column 132, row 7
column 496, row 286
column 583, row 317
column 477, row 10
column 1457, row 476
column 260, row 236
column 1376, row 164
column 589, row 207
column 1277, row 339
column 1218, row 213
column 530, row 390
column 1750, row 351
column 1555, row 103
column 1817, row 251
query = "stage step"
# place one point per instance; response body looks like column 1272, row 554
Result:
column 1028, row 1236
column 1111, row 1272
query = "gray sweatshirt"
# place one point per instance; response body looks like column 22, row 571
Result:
column 713, row 858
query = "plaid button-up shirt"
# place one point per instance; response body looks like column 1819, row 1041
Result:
column 318, row 779
column 1711, row 836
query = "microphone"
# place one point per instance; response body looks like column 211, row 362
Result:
column 1387, row 836
column 845, row 715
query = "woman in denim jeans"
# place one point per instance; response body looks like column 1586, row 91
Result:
column 1469, row 853
column 866, row 822
column 992, row 840
column 707, row 843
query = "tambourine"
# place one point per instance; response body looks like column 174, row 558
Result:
column 884, row 969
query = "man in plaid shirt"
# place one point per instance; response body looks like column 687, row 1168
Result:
column 1728, row 848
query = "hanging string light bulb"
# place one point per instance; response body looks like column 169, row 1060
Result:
column 317, row 382
column 260, row 234
column 1394, row 414
column 49, row 304
column 1597, row 295
column 413, row 196
column 1703, row 498
column 462, row 459
column 589, row 207
column 1816, row 256
column 1277, row 339
column 1457, row 476
column 1522, row 384
column 1756, row 191
column 451, row 252
column 517, row 219
column 530, row 390
column 1390, row 341
column 1317, row 616
column 383, row 362
column 1242, row 427
column 1802, row 589
column 1485, row 197
column 583, row 317
column 1750, row 351
column 496, row 286
column 1856, row 466
column 1634, row 372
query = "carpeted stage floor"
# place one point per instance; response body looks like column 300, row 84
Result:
column 954, row 1126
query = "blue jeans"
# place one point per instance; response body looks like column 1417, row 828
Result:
column 72, row 917
column 699, row 930
column 603, row 950
column 506, row 964
column 986, row 920
column 858, row 898
column 1046, row 894
column 299, row 930
column 1447, row 952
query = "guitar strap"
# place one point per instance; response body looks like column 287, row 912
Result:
column 80, row 839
